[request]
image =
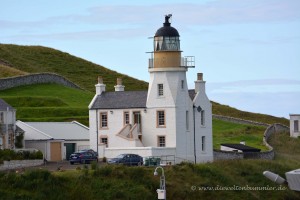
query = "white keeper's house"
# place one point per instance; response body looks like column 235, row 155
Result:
column 167, row 120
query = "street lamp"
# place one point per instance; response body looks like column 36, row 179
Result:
column 161, row 192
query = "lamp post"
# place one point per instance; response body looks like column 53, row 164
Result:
column 161, row 192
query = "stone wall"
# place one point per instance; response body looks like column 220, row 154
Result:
column 268, row 155
column 6, row 83
column 239, row 121
column 17, row 164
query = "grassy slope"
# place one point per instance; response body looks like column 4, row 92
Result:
column 34, row 59
column 49, row 102
column 225, row 110
column 227, row 132
column 119, row 182
column 7, row 71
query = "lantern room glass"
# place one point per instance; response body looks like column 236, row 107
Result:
column 166, row 43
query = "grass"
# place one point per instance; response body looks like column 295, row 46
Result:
column 7, row 71
column 225, row 110
column 36, row 59
column 231, row 179
column 49, row 102
column 228, row 132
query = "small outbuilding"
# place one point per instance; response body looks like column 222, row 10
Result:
column 238, row 148
column 294, row 125
column 57, row 140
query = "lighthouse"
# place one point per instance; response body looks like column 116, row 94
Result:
column 168, row 120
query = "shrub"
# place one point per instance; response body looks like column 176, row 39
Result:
column 94, row 165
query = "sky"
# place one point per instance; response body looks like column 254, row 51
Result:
column 248, row 50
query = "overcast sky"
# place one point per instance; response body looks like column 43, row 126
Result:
column 248, row 50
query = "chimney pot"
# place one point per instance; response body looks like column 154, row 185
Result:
column 119, row 81
column 100, row 79
column 199, row 76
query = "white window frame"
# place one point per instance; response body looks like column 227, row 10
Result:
column 160, row 119
column 161, row 143
column 126, row 117
column 203, row 146
column 202, row 115
column 160, row 89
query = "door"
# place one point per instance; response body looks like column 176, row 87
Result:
column 55, row 151
column 137, row 120
column 70, row 148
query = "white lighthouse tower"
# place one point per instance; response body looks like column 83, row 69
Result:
column 168, row 95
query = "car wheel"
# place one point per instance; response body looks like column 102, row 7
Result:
column 140, row 164
column 72, row 163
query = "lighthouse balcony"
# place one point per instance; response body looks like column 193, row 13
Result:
column 185, row 62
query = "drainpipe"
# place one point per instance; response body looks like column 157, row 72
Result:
column 97, row 131
column 194, row 133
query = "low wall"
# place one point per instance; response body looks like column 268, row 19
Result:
column 16, row 164
column 239, row 121
column 6, row 83
column 272, row 129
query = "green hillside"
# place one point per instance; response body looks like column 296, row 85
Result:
column 36, row 59
column 225, row 110
column 49, row 102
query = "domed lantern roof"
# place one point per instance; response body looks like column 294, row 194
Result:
column 167, row 37
column 167, row 29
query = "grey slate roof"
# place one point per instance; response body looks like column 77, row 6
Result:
column 4, row 106
column 242, row 147
column 124, row 100
column 121, row 100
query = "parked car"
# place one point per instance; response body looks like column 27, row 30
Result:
column 127, row 159
column 90, row 151
column 82, row 157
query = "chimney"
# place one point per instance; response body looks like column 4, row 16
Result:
column 100, row 87
column 119, row 87
column 199, row 83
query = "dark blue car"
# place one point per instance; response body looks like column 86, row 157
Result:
column 82, row 157
column 127, row 159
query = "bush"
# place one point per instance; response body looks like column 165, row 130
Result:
column 7, row 154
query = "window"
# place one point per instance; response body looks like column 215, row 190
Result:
column 104, row 140
column 187, row 120
column 296, row 126
column 103, row 120
column 1, row 117
column 126, row 118
column 161, row 141
column 161, row 118
column 203, row 143
column 202, row 117
column 160, row 89
column 182, row 84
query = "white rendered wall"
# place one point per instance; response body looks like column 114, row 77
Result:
column 294, row 117
column 202, row 100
